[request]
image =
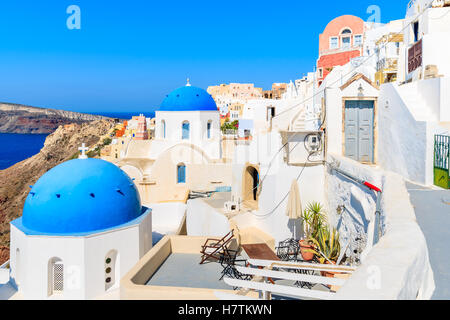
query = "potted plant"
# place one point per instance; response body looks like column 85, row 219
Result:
column 313, row 219
column 327, row 247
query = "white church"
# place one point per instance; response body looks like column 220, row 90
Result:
column 186, row 153
column 83, row 227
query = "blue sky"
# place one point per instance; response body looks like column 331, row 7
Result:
column 129, row 54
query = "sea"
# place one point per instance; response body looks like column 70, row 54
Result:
column 18, row 147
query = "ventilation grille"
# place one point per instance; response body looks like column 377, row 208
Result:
column 58, row 277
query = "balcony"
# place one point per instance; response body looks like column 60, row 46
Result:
column 339, row 50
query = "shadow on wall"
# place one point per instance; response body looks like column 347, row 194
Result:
column 296, row 228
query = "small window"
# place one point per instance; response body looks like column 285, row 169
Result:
column 208, row 129
column 416, row 31
column 358, row 40
column 55, row 276
column 346, row 31
column 163, row 129
column 334, row 42
column 346, row 42
column 181, row 173
column 185, row 130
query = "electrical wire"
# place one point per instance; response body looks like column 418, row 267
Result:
column 302, row 102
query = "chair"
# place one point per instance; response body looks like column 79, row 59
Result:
column 214, row 247
column 229, row 262
column 288, row 250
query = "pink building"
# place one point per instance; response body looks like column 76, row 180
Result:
column 141, row 132
column 341, row 41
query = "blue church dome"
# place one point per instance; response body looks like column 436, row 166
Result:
column 188, row 98
column 79, row 196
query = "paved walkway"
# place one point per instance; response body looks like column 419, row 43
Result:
column 432, row 208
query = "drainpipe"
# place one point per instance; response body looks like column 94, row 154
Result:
column 374, row 229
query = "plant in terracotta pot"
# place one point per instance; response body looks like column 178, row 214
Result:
column 327, row 247
column 313, row 219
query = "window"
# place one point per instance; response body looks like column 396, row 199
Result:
column 55, row 276
column 346, row 31
column 358, row 40
column 181, row 173
column 111, row 269
column 346, row 42
column 320, row 73
column 416, row 31
column 334, row 42
column 163, row 129
column 18, row 266
column 185, row 130
column 208, row 129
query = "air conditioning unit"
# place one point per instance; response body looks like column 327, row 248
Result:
column 232, row 206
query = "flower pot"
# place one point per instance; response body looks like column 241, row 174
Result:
column 327, row 273
column 304, row 246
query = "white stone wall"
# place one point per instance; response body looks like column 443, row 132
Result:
column 83, row 258
column 198, row 121
column 398, row 266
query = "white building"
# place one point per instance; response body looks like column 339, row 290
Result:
column 83, row 227
column 186, row 153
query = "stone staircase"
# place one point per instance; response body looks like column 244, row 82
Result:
column 299, row 122
column 416, row 104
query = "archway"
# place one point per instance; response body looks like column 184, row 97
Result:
column 251, row 184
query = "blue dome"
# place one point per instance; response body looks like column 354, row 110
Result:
column 81, row 195
column 188, row 98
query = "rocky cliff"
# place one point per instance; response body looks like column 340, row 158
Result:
column 59, row 146
column 15, row 118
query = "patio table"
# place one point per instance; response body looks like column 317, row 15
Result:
column 260, row 251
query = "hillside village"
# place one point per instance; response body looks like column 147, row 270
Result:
column 351, row 145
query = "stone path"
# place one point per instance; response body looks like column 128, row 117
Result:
column 432, row 208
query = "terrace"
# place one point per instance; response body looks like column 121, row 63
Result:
column 158, row 275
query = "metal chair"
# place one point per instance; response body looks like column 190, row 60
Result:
column 288, row 250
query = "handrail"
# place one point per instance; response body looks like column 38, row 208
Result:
column 291, row 276
column 275, row 288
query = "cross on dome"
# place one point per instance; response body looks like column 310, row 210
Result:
column 83, row 150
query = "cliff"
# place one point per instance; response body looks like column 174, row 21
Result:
column 15, row 118
column 59, row 146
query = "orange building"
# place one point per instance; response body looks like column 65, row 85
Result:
column 341, row 41
column 121, row 129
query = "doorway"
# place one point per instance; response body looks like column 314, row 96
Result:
column 251, row 184
column 359, row 130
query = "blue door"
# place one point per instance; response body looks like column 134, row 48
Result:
column 359, row 120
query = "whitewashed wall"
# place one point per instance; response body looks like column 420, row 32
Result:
column 398, row 267
column 83, row 258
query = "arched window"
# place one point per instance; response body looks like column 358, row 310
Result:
column 18, row 267
column 185, row 130
column 163, row 129
column 208, row 129
column 346, row 31
column 112, row 270
column 181, row 173
column 55, row 276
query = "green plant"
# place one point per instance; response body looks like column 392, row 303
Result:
column 313, row 218
column 327, row 245
column 230, row 125
column 107, row 141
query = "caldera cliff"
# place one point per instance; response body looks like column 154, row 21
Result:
column 60, row 146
